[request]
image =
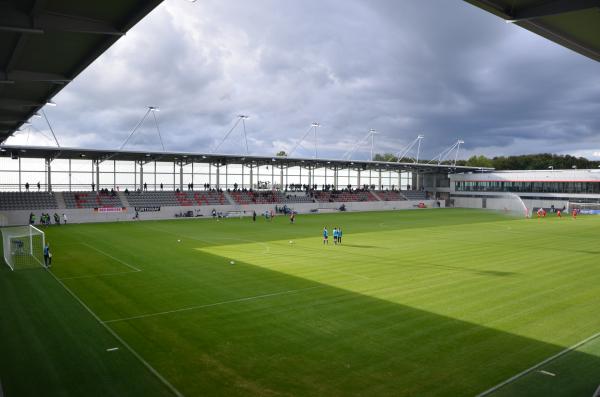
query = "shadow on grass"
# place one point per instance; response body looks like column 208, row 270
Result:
column 316, row 340
column 362, row 246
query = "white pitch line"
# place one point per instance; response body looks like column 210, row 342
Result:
column 112, row 349
column 184, row 309
column 112, row 257
column 120, row 340
column 547, row 373
column 538, row 365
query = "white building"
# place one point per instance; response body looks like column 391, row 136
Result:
column 543, row 188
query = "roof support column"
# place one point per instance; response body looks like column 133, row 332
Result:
column 251, row 177
column 380, row 185
column 181, row 176
column 281, row 187
column 97, row 175
column 141, row 175
column 20, row 172
column 358, row 184
column 335, row 178
column 272, row 177
column 218, row 182
column 49, row 173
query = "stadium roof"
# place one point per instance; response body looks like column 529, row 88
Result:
column 44, row 44
column 574, row 24
column 222, row 159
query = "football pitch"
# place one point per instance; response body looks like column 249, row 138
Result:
column 412, row 303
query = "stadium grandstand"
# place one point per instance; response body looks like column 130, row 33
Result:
column 100, row 185
column 158, row 273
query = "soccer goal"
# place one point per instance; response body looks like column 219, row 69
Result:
column 584, row 208
column 23, row 247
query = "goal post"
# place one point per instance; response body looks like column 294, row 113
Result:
column 23, row 247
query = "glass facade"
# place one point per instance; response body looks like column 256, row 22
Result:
column 528, row 187
column 80, row 174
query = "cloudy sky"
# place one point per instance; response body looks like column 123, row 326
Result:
column 442, row 68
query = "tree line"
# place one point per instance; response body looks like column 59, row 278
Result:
column 540, row 161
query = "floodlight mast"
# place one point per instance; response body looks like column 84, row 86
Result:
column 316, row 125
column 365, row 139
column 372, row 132
column 313, row 128
column 446, row 152
column 50, row 126
column 417, row 141
column 242, row 118
column 152, row 109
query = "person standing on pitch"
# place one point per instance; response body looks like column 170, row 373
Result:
column 65, row 218
column 325, row 235
column 47, row 256
column 254, row 216
column 339, row 235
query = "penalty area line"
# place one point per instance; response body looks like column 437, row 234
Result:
column 538, row 365
column 185, row 309
column 112, row 257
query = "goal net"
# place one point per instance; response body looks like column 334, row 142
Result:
column 510, row 204
column 23, row 247
column 584, row 208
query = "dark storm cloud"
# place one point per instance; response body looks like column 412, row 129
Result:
column 439, row 67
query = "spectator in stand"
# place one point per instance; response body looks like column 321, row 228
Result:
column 161, row 186
column 93, row 186
column 145, row 187
column 26, row 186
column 39, row 186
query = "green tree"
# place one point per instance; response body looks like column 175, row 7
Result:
column 281, row 153
column 479, row 161
column 390, row 157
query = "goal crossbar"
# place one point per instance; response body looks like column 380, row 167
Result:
column 23, row 246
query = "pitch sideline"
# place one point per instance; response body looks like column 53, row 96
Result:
column 120, row 340
column 538, row 365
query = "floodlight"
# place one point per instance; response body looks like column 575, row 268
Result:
column 50, row 103
column 154, row 108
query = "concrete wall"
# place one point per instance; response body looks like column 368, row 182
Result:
column 9, row 218
column 499, row 204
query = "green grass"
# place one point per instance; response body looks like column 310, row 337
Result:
column 414, row 303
